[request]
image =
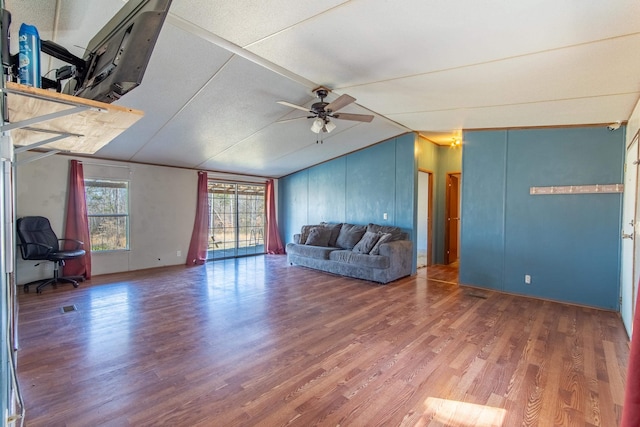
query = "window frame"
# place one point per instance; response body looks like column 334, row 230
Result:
column 127, row 215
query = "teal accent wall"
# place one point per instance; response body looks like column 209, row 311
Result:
column 293, row 199
column 371, row 185
column 568, row 244
column 357, row 188
column 483, row 209
column 322, row 201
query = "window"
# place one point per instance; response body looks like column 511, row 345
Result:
column 108, row 213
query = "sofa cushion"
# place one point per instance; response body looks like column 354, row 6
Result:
column 304, row 233
column 316, row 252
column 362, row 260
column 396, row 232
column 318, row 236
column 368, row 241
column 350, row 234
column 335, row 231
column 384, row 238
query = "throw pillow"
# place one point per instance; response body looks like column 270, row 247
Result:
column 396, row 232
column 335, row 232
column 304, row 233
column 318, row 236
column 350, row 234
column 367, row 243
column 384, row 238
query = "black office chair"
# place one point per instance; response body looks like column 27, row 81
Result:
column 39, row 242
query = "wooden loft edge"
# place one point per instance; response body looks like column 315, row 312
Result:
column 16, row 88
column 36, row 115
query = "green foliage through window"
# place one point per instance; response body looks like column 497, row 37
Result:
column 108, row 212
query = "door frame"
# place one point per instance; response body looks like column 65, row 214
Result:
column 629, row 261
column 430, row 231
column 254, row 233
column 447, row 216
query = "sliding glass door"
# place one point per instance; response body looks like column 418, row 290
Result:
column 237, row 219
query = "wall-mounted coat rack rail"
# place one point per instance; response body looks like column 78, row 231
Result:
column 577, row 189
column 80, row 125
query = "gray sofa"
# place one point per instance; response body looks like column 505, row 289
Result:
column 370, row 252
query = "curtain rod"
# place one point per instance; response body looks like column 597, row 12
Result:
column 103, row 164
column 235, row 181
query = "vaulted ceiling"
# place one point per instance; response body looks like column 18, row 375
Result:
column 219, row 67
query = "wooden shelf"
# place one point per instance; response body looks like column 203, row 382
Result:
column 35, row 115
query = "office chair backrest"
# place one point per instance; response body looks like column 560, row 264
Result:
column 36, row 229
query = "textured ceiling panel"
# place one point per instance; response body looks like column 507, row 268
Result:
column 238, row 102
column 162, row 95
column 376, row 40
column 579, row 72
column 231, row 21
column 565, row 112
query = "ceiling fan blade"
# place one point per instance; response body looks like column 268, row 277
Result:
column 291, row 120
column 342, row 101
column 355, row 117
column 288, row 104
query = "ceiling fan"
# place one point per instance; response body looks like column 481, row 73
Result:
column 322, row 111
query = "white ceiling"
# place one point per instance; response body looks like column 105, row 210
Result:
column 431, row 66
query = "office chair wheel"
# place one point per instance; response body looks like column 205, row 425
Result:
column 25, row 289
column 75, row 285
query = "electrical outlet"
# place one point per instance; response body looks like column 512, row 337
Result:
column 179, row 253
column 385, row 216
column 527, row 279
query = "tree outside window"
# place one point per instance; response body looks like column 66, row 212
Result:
column 108, row 214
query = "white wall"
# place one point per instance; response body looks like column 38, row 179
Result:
column 162, row 203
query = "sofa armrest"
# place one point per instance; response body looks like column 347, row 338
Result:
column 397, row 248
column 400, row 253
column 296, row 238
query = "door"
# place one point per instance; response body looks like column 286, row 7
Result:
column 236, row 219
column 628, row 276
column 424, row 226
column 452, row 214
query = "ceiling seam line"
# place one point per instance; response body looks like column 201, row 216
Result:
column 476, row 64
column 184, row 106
column 282, row 30
column 237, row 50
column 510, row 105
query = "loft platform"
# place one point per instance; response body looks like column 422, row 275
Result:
column 53, row 121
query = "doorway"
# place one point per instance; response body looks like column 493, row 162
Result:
column 236, row 219
column 424, row 243
column 452, row 215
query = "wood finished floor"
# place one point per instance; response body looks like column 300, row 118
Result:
column 255, row 342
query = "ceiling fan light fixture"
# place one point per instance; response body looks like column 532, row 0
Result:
column 329, row 126
column 317, row 125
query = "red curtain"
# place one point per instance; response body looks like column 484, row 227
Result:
column 631, row 408
column 77, row 223
column 274, row 243
column 197, row 254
